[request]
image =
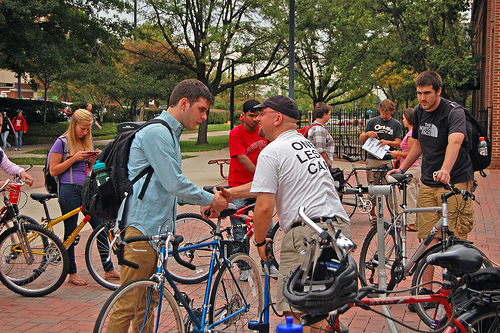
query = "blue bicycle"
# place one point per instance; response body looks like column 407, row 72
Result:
column 234, row 296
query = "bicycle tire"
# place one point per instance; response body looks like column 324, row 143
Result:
column 194, row 229
column 368, row 257
column 277, row 235
column 481, row 319
column 426, row 310
column 135, row 294
column 349, row 201
column 49, row 267
column 226, row 298
column 99, row 259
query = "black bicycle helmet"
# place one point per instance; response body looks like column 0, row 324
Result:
column 332, row 284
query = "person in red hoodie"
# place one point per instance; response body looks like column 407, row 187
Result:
column 20, row 127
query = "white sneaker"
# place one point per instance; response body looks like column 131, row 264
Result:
column 273, row 271
column 245, row 274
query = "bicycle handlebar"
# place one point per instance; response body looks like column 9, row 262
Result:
column 169, row 237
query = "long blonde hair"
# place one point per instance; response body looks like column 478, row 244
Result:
column 80, row 116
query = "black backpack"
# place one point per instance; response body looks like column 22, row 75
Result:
column 51, row 182
column 471, row 142
column 104, row 200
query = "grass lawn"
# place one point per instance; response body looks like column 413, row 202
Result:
column 188, row 146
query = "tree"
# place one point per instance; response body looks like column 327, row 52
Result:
column 43, row 38
column 338, row 50
column 206, row 36
column 432, row 35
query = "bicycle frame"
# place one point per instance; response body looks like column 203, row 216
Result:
column 202, row 325
column 50, row 223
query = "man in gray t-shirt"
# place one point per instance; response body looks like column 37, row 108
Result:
column 389, row 131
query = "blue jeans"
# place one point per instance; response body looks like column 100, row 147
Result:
column 18, row 139
column 4, row 140
column 70, row 197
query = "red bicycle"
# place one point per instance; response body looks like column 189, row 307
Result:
column 478, row 313
column 196, row 229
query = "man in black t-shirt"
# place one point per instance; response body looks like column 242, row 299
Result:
column 389, row 131
column 439, row 136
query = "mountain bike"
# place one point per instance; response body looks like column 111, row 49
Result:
column 33, row 260
column 397, row 266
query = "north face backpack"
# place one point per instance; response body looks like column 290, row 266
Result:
column 51, row 182
column 471, row 142
column 104, row 200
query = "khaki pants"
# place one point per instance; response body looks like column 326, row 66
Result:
column 134, row 303
column 460, row 213
column 411, row 194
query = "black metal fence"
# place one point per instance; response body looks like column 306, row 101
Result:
column 345, row 126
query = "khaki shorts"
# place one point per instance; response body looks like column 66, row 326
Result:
column 291, row 257
column 460, row 213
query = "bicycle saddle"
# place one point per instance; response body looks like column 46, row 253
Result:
column 458, row 258
column 351, row 159
column 230, row 210
column 41, row 197
column 209, row 188
column 399, row 178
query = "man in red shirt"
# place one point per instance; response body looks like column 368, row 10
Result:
column 245, row 145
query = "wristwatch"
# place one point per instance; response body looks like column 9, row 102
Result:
column 259, row 244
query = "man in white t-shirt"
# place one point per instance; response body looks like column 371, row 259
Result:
column 290, row 173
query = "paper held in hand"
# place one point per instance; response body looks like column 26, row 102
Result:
column 372, row 146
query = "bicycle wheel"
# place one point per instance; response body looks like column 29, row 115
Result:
column 349, row 201
column 226, row 299
column 368, row 258
column 195, row 230
column 99, row 258
column 277, row 236
column 134, row 308
column 481, row 320
column 36, row 274
column 425, row 272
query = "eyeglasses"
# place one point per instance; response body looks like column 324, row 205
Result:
column 262, row 113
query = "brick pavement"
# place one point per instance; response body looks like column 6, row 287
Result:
column 74, row 309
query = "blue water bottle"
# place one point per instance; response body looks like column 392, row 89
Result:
column 289, row 327
column 101, row 174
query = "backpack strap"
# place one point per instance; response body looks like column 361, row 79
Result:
column 65, row 155
column 146, row 171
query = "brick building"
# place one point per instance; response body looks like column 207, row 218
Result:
column 9, row 83
column 486, row 20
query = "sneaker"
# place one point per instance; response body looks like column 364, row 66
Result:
column 273, row 271
column 427, row 306
column 245, row 274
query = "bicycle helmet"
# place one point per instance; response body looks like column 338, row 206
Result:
column 330, row 286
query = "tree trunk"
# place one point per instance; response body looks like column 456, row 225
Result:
column 202, row 133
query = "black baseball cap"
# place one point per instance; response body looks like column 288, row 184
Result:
column 282, row 104
column 249, row 105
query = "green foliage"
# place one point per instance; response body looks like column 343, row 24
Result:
column 33, row 109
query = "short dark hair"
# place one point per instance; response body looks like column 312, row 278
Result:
column 320, row 109
column 408, row 113
column 386, row 106
column 191, row 89
column 248, row 105
column 429, row 78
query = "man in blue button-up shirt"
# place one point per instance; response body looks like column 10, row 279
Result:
column 154, row 145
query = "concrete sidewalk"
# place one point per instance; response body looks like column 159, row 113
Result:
column 74, row 309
